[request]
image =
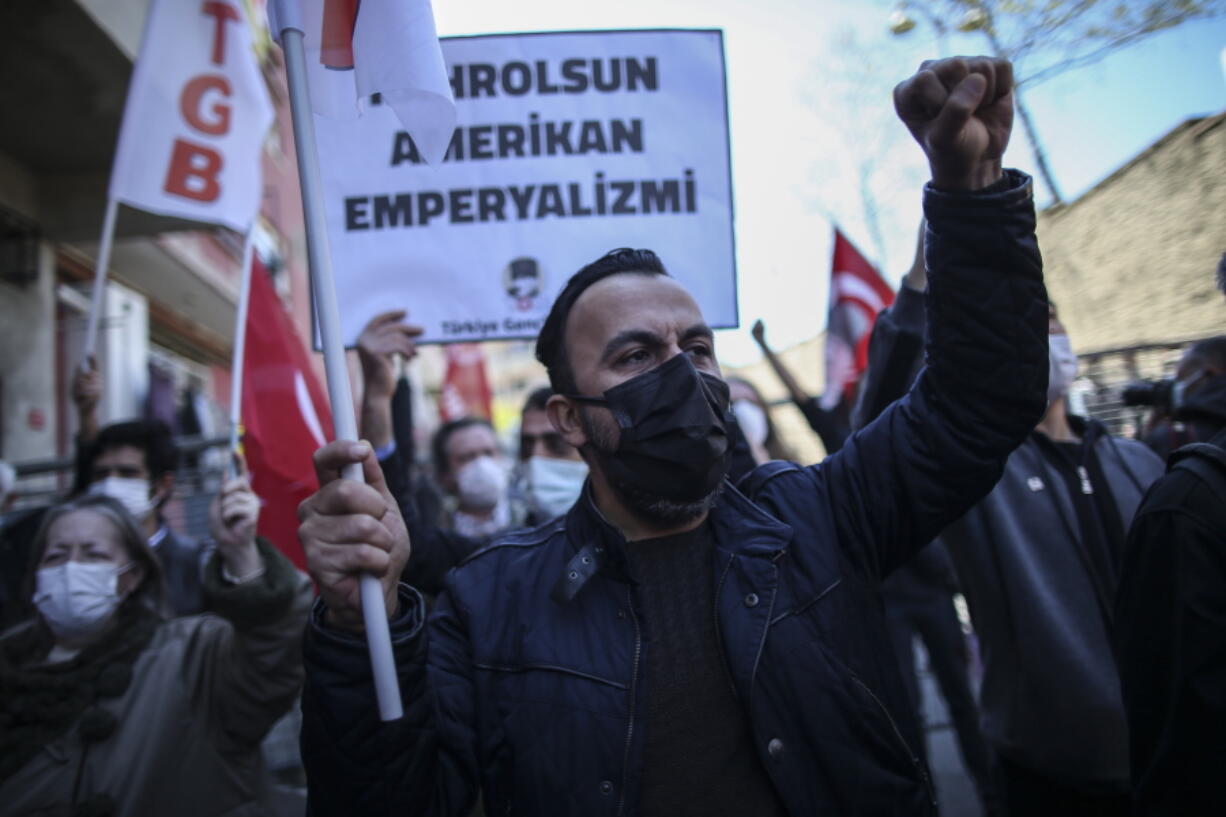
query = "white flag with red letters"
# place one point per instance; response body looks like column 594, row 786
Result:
column 196, row 116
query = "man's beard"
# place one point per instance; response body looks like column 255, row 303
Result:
column 641, row 502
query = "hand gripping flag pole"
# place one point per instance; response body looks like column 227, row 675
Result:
column 319, row 261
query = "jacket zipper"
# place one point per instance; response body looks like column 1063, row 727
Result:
column 915, row 761
column 634, row 683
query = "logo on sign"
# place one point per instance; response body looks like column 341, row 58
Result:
column 522, row 281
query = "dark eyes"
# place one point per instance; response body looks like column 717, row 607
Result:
column 700, row 350
column 640, row 356
column 635, row 357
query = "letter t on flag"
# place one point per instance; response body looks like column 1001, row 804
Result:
column 196, row 115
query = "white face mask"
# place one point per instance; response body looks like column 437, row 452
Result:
column 752, row 420
column 481, row 484
column 1063, row 365
column 554, row 485
column 75, row 598
column 132, row 493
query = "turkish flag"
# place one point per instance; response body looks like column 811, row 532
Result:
column 285, row 416
column 857, row 294
column 466, row 389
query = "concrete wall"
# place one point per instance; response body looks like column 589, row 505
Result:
column 27, row 366
column 1133, row 260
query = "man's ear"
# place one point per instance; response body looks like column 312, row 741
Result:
column 564, row 417
column 163, row 487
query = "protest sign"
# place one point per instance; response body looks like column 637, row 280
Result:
column 567, row 145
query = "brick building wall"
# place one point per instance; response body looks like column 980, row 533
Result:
column 1132, row 261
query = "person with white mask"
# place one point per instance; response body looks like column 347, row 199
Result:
column 471, row 470
column 1039, row 562
column 111, row 707
column 551, row 472
column 134, row 462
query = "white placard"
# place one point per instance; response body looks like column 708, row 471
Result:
column 568, row 145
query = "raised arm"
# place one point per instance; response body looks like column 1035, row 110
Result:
column 384, row 337
column 896, row 346
column 246, row 669
column 929, row 457
column 798, row 395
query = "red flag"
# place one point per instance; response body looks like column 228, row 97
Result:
column 466, row 390
column 857, row 294
column 285, row 416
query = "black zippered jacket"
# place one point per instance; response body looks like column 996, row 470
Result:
column 527, row 682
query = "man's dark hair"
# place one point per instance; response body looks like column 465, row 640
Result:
column 152, row 437
column 1211, row 351
column 438, row 445
column 551, row 343
column 537, row 399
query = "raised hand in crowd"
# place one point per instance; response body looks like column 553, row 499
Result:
column 87, row 386
column 384, row 337
column 960, row 110
column 340, row 515
column 233, row 515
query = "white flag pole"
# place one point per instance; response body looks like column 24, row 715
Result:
column 101, row 266
column 319, row 261
column 240, row 347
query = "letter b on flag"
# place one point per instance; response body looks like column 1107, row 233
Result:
column 193, row 172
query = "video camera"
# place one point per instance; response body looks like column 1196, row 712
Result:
column 1157, row 393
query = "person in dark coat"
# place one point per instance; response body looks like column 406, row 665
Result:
column 675, row 645
column 1170, row 614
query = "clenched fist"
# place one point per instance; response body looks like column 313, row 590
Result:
column 347, row 529
column 960, row 110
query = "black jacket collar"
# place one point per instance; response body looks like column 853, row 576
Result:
column 739, row 527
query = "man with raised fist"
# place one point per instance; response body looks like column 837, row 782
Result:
column 675, row 645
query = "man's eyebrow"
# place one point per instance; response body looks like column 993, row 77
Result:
column 644, row 336
column 698, row 330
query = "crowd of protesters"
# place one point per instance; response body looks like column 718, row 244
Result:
column 649, row 608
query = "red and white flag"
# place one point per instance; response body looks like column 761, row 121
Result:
column 358, row 48
column 195, row 118
column 466, row 389
column 857, row 294
column 285, row 416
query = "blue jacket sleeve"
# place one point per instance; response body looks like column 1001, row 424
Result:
column 423, row 764
column 940, row 449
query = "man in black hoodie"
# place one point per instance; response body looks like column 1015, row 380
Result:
column 1170, row 613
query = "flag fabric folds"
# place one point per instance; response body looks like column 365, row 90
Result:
column 195, row 118
column 285, row 416
column 358, row 48
column 466, row 389
column 857, row 294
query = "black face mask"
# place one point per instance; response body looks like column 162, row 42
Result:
column 674, row 431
